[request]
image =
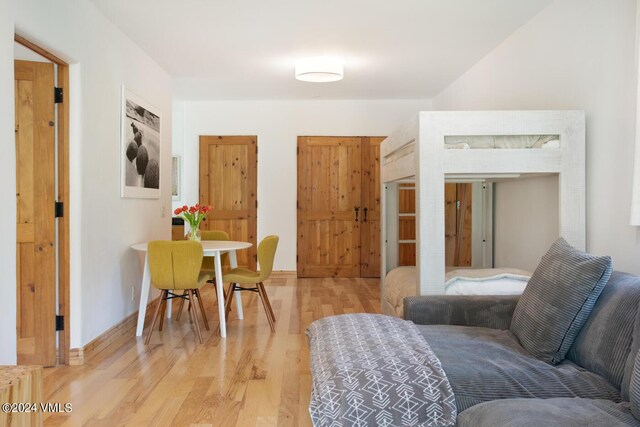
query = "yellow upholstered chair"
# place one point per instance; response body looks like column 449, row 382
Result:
column 175, row 266
column 207, row 262
column 208, row 267
column 242, row 276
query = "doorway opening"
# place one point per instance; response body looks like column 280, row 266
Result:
column 41, row 83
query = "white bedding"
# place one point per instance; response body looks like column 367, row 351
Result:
column 501, row 284
column 501, row 141
column 401, row 282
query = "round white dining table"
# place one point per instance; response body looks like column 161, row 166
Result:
column 214, row 248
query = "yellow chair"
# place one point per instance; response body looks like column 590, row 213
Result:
column 242, row 276
column 175, row 265
column 208, row 262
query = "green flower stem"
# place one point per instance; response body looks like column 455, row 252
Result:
column 193, row 219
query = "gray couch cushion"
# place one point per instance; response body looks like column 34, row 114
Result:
column 604, row 343
column 634, row 387
column 548, row 412
column 490, row 311
column 631, row 359
column 558, row 300
column 485, row 364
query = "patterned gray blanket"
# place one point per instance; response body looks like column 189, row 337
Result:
column 375, row 370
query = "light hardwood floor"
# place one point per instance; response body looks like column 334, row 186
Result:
column 251, row 378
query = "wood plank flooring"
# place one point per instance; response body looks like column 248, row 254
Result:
column 251, row 378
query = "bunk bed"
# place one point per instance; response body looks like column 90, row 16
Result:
column 435, row 147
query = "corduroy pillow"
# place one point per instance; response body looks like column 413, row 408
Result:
column 558, row 300
column 634, row 389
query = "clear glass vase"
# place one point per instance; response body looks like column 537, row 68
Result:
column 194, row 233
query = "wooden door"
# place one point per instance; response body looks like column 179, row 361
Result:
column 463, row 248
column 457, row 224
column 450, row 224
column 35, row 198
column 329, row 202
column 228, row 182
column 370, row 226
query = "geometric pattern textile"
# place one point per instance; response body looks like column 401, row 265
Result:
column 376, row 370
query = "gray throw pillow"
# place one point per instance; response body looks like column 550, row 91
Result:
column 558, row 300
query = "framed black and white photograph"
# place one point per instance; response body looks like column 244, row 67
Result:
column 175, row 177
column 140, row 145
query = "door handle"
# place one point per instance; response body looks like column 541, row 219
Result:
column 356, row 210
column 365, row 214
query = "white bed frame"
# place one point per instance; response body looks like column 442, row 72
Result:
column 415, row 153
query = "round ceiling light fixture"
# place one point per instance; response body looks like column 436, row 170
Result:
column 320, row 69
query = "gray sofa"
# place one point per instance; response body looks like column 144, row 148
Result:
column 496, row 382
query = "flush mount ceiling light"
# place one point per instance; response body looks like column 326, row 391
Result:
column 319, row 69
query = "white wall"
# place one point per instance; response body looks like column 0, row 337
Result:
column 277, row 125
column 103, row 225
column 526, row 216
column 7, row 190
column 576, row 54
column 25, row 54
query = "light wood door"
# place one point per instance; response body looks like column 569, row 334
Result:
column 457, row 224
column 329, row 202
column 370, row 226
column 35, row 198
column 228, row 182
column 450, row 224
column 463, row 247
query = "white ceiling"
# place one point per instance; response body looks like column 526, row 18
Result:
column 246, row 49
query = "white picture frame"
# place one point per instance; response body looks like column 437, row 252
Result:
column 176, row 178
column 140, row 145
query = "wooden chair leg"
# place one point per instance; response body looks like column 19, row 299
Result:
column 201, row 303
column 180, row 305
column 192, row 295
column 264, row 291
column 163, row 309
column 224, row 293
column 155, row 318
column 227, row 306
column 264, row 299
